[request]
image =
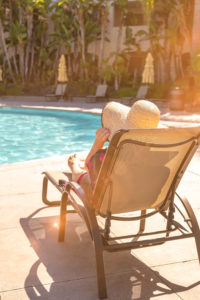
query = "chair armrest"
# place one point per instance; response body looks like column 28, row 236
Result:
column 72, row 185
column 81, row 205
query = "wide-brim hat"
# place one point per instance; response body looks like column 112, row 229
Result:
column 142, row 114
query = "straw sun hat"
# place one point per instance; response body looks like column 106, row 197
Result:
column 142, row 114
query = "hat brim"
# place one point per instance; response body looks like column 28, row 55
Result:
column 142, row 114
column 114, row 117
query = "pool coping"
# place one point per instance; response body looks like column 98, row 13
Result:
column 59, row 105
column 75, row 106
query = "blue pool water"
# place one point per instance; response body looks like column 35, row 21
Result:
column 27, row 134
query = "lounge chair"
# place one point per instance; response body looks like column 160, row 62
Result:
column 142, row 92
column 57, row 178
column 138, row 180
column 59, row 93
column 100, row 93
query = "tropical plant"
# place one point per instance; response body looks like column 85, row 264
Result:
column 3, row 38
column 17, row 39
column 34, row 33
column 168, row 32
column 104, row 6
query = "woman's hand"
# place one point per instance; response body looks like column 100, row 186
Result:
column 102, row 135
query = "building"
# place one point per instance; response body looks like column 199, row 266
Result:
column 136, row 21
column 196, row 27
column 191, row 44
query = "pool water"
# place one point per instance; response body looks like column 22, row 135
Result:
column 28, row 134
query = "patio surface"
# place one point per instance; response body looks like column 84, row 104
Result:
column 33, row 265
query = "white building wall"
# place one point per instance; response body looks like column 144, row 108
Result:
column 196, row 27
column 112, row 34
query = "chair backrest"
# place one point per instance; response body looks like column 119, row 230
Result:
column 60, row 89
column 142, row 91
column 141, row 167
column 101, row 90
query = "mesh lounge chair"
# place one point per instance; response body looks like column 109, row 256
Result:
column 59, row 93
column 141, row 94
column 100, row 93
column 138, row 180
column 56, row 178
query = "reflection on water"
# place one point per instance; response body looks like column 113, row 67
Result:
column 28, row 134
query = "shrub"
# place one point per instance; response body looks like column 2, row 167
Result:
column 124, row 92
column 13, row 90
column 158, row 91
column 2, row 88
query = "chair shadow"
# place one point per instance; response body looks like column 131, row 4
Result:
column 71, row 266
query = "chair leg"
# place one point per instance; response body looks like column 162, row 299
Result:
column 63, row 213
column 44, row 194
column 98, row 245
column 194, row 223
column 142, row 221
column 101, row 280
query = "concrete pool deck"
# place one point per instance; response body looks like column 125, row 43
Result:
column 33, row 265
column 79, row 104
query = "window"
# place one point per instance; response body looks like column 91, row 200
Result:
column 134, row 15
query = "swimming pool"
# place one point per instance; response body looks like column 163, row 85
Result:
column 27, row 134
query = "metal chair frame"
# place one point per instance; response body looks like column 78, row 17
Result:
column 101, row 238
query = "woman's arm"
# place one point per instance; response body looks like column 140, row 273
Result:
column 102, row 135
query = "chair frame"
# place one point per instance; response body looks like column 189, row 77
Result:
column 101, row 238
column 48, row 177
column 59, row 92
column 98, row 96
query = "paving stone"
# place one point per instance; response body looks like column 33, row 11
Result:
column 124, row 286
column 184, row 278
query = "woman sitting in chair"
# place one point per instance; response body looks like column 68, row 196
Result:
column 115, row 116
